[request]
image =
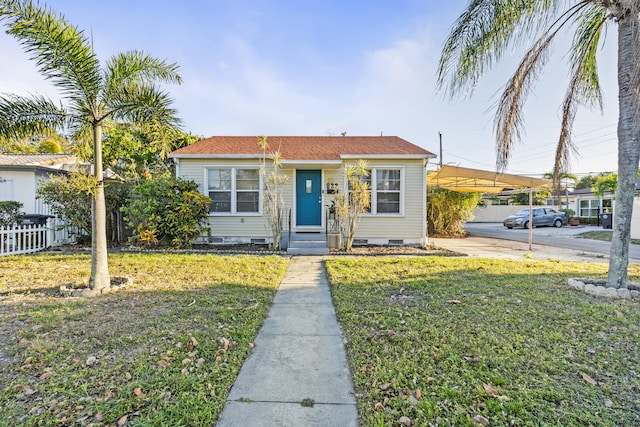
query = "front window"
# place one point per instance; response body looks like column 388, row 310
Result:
column 388, row 191
column 386, row 194
column 234, row 190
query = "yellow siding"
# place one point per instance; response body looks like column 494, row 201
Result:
column 233, row 227
column 409, row 226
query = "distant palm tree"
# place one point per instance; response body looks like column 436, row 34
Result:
column 557, row 187
column 488, row 28
column 123, row 90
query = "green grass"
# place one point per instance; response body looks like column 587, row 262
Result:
column 465, row 342
column 165, row 351
column 604, row 235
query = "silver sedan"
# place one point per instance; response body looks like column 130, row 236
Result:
column 541, row 216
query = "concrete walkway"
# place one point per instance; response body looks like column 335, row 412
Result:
column 299, row 355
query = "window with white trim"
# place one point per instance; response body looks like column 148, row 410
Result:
column 386, row 194
column 233, row 190
column 591, row 208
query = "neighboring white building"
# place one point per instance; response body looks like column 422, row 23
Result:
column 20, row 175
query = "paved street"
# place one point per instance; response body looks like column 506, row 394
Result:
column 494, row 240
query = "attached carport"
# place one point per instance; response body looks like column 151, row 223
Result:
column 468, row 180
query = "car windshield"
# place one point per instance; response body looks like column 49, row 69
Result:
column 523, row 212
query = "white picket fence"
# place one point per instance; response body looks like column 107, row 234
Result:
column 30, row 238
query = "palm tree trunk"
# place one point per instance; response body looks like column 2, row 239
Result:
column 628, row 148
column 99, row 281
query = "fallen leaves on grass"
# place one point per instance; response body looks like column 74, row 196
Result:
column 405, row 421
column 588, row 378
column 481, row 420
column 45, row 375
column 138, row 392
column 492, row 392
column 192, row 343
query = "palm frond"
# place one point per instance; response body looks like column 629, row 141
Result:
column 509, row 122
column 584, row 87
column 135, row 67
column 142, row 104
column 583, row 62
column 63, row 53
column 22, row 117
column 482, row 34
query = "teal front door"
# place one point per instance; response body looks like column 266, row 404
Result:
column 308, row 198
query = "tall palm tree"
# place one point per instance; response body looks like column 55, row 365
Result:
column 123, row 90
column 487, row 28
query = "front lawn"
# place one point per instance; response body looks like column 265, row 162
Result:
column 163, row 352
column 604, row 235
column 472, row 342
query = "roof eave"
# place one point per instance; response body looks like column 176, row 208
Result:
column 388, row 156
column 215, row 156
column 32, row 168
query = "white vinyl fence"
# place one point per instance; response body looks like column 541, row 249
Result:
column 30, row 238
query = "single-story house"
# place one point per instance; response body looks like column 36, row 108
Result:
column 20, row 175
column 587, row 205
column 226, row 168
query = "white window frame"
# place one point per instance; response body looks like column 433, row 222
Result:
column 234, row 191
column 596, row 206
column 373, row 175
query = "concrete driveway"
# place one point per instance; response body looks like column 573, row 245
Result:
column 495, row 241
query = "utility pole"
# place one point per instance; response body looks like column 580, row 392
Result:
column 440, row 135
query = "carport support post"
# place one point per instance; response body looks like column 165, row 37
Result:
column 530, row 217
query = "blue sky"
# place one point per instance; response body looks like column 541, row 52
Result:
column 278, row 67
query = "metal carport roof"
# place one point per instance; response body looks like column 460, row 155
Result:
column 468, row 180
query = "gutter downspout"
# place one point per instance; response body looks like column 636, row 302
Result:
column 425, row 234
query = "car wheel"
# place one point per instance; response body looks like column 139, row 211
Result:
column 509, row 227
column 526, row 224
column 558, row 223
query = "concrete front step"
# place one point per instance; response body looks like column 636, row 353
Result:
column 297, row 236
column 308, row 244
column 307, row 251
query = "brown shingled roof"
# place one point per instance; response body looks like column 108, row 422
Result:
column 305, row 147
